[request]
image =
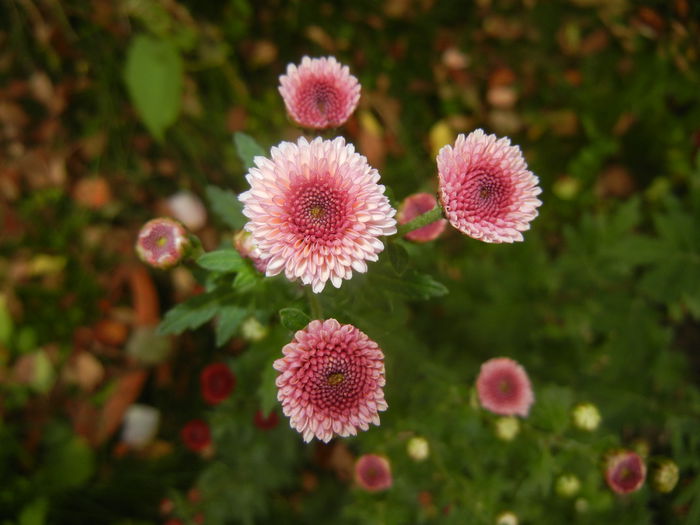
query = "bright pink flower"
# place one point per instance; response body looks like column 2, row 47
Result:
column 196, row 435
column 331, row 379
column 319, row 93
column 217, row 382
column 415, row 205
column 504, row 388
column 162, row 243
column 625, row 471
column 486, row 189
column 316, row 211
column 373, row 473
column 243, row 242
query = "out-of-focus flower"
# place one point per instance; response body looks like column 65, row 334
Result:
column 567, row 485
column 331, row 380
column 418, row 448
column 373, row 473
column 243, row 242
column 253, row 330
column 507, row 428
column 217, row 382
column 266, row 422
column 319, row 93
column 586, row 416
column 140, row 425
column 187, row 208
column 625, row 471
column 664, row 477
column 415, row 205
column 507, row 518
column 196, row 435
column 162, row 243
column 486, row 190
column 504, row 388
column 316, row 211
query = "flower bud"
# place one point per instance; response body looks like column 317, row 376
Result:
column 162, row 243
column 586, row 416
column 507, row 428
column 243, row 242
column 567, row 485
column 625, row 471
column 665, row 476
column 506, row 518
column 253, row 330
column 418, row 448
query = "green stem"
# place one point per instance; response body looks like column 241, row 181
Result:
column 314, row 304
column 422, row 220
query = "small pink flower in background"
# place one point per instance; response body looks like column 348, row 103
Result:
column 319, row 93
column 217, row 382
column 625, row 471
column 189, row 209
column 162, row 243
column 196, row 435
column 243, row 243
column 504, row 388
column 486, row 190
column 316, row 211
column 415, row 205
column 373, row 473
column 331, row 380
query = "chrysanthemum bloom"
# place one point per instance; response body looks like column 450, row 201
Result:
column 415, row 205
column 217, row 382
column 373, row 473
column 331, row 379
column 196, row 435
column 316, row 210
column 266, row 422
column 319, row 93
column 625, row 471
column 243, row 243
column 162, row 243
column 485, row 188
column 504, row 388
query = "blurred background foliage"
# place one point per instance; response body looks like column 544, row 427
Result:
column 108, row 109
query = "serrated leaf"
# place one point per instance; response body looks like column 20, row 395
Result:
column 398, row 257
column 221, row 261
column 228, row 321
column 293, row 319
column 247, row 149
column 191, row 314
column 153, row 76
column 267, row 392
column 226, row 206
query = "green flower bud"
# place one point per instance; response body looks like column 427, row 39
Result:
column 586, row 416
column 506, row 518
column 418, row 448
column 567, row 485
column 507, row 428
column 665, row 476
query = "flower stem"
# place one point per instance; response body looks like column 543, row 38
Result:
column 422, row 220
column 314, row 304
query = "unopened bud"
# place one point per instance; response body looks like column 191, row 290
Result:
column 418, row 448
column 253, row 330
column 586, row 416
column 665, row 476
column 507, row 428
column 567, row 485
column 162, row 243
column 506, row 518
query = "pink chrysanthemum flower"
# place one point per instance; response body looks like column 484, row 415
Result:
column 504, row 388
column 162, row 243
column 331, row 379
column 319, row 93
column 316, row 210
column 415, row 205
column 373, row 473
column 625, row 471
column 486, row 190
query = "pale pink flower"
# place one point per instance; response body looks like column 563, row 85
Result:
column 316, row 211
column 504, row 388
column 415, row 205
column 486, row 190
column 373, row 473
column 162, row 243
column 319, row 93
column 243, row 243
column 331, row 379
column 625, row 471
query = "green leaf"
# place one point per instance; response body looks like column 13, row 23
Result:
column 268, row 390
column 191, row 314
column 229, row 319
column 245, row 278
column 413, row 285
column 221, row 261
column 247, row 149
column 226, row 206
column 34, row 513
column 153, row 76
column 398, row 257
column 294, row 319
column 69, row 464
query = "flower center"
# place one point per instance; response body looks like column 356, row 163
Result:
column 504, row 386
column 335, row 379
column 318, row 210
column 161, row 241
